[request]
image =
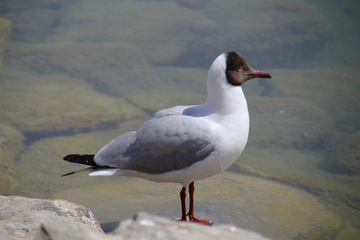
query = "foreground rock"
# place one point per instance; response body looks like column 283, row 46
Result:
column 21, row 218
column 150, row 227
column 26, row 218
column 145, row 225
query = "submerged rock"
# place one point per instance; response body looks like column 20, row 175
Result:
column 186, row 33
column 41, row 163
column 154, row 100
column 5, row 32
column 182, row 79
column 274, row 33
column 116, row 68
column 330, row 89
column 47, row 104
column 272, row 209
column 344, row 158
column 162, row 30
column 288, row 122
column 10, row 146
column 32, row 24
column 299, row 168
column 18, row 5
column 194, row 37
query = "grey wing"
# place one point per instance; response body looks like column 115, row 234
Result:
column 163, row 144
column 177, row 110
column 112, row 154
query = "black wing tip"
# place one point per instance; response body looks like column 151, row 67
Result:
column 70, row 156
column 87, row 159
column 73, row 157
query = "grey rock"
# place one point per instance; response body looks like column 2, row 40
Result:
column 21, row 218
column 146, row 227
column 3, row 234
column 27, row 218
column 149, row 227
column 70, row 230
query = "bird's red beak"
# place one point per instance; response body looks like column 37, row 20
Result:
column 259, row 74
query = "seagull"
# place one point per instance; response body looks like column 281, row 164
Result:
column 184, row 144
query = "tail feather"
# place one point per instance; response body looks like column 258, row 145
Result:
column 87, row 159
column 77, row 171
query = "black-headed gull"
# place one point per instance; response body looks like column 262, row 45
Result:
column 184, row 144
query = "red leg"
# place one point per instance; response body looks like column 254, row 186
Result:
column 183, row 204
column 191, row 209
column 191, row 192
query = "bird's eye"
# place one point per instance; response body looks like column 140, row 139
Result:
column 241, row 69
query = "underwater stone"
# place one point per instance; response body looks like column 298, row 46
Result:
column 49, row 104
column 5, row 32
column 289, row 122
column 10, row 146
column 344, row 158
column 154, row 100
column 114, row 68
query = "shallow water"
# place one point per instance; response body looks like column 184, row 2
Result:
column 76, row 74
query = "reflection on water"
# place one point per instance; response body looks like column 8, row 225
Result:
column 76, row 74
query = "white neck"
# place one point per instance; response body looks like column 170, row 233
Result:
column 223, row 98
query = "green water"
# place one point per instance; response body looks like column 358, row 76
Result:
column 76, row 74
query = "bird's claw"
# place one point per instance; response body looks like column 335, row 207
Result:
column 200, row 221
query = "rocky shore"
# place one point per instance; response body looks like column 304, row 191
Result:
column 28, row 218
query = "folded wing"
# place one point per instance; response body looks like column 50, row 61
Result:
column 163, row 144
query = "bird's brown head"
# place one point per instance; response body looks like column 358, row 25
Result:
column 238, row 70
